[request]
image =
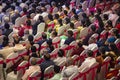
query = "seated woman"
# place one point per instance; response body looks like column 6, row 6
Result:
column 69, row 69
column 34, row 53
column 31, row 69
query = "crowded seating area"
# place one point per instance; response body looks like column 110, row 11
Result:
column 59, row 39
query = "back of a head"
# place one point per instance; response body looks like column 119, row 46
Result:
column 102, row 50
column 93, row 28
column 46, row 56
column 67, row 20
column 50, row 17
column 56, row 16
column 44, row 35
column 54, row 33
column 65, row 12
column 60, row 21
column 91, row 40
column 72, row 25
column 70, row 33
column 69, row 61
column 40, row 18
column 60, row 53
column 7, row 26
column 56, row 69
column 30, row 38
column 76, row 17
column 105, row 16
column 33, row 61
column 28, row 22
column 90, row 53
column 33, row 49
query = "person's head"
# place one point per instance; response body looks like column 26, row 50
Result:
column 46, row 56
column 92, row 28
column 54, row 34
column 13, row 8
column 44, row 36
column 69, row 61
column 33, row 48
column 30, row 38
column 28, row 16
column 28, row 22
column 73, row 11
column 90, row 53
column 80, row 44
column 16, row 41
column 72, row 25
column 56, row 69
column 67, row 20
column 50, row 17
column 6, row 19
column 33, row 61
column 24, row 10
column 99, row 11
column 60, row 22
column 76, row 17
column 84, row 15
column 65, row 12
column 5, row 41
column 83, row 23
column 109, row 23
column 80, row 6
column 56, row 16
column 53, row 4
column 69, row 33
column 41, row 18
column 7, row 26
column 60, row 53
column 112, row 46
column 102, row 50
column 115, row 32
column 105, row 16
column 91, row 40
column 49, row 42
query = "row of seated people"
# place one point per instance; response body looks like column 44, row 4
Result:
column 96, row 33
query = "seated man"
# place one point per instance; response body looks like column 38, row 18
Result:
column 32, row 68
column 69, row 69
column 60, row 57
column 57, row 75
column 46, row 63
column 70, row 37
column 88, row 61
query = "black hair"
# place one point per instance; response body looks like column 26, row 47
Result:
column 44, row 35
column 33, row 48
column 72, row 25
column 73, row 10
column 50, row 17
column 24, row 10
column 7, row 26
column 67, row 20
column 70, row 32
column 60, row 53
column 76, row 17
column 56, row 16
column 41, row 19
column 30, row 38
column 93, row 28
column 60, row 22
column 90, row 53
column 56, row 69
column 47, row 56
column 105, row 16
column 65, row 12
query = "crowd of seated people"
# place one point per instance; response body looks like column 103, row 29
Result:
column 59, row 39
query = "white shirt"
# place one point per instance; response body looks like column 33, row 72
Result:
column 68, row 71
column 59, row 59
column 91, row 46
column 87, row 63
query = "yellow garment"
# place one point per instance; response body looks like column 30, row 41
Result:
column 57, row 27
column 55, row 21
column 79, row 28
